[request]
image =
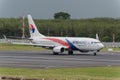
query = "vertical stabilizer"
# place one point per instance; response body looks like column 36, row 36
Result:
column 33, row 29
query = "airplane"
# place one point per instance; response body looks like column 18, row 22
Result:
column 61, row 44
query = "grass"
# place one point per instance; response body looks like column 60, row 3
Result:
column 114, row 49
column 5, row 46
column 93, row 73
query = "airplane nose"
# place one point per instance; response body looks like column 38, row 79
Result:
column 101, row 46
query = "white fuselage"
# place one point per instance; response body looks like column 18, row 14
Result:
column 74, row 43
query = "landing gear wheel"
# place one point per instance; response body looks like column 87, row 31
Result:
column 54, row 53
column 70, row 52
column 94, row 54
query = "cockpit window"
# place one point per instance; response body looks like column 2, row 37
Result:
column 95, row 42
column 79, row 42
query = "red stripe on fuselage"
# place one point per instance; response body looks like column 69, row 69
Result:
column 59, row 41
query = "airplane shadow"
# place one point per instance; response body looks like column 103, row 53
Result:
column 65, row 54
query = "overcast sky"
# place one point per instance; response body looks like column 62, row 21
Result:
column 45, row 9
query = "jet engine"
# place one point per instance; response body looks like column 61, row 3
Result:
column 58, row 49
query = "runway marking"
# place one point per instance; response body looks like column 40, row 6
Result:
column 47, row 58
column 37, row 60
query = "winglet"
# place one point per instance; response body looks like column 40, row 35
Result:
column 97, row 37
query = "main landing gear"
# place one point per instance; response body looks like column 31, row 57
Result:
column 70, row 52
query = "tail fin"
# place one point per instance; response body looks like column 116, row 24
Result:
column 33, row 29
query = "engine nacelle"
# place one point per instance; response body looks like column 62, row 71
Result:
column 58, row 49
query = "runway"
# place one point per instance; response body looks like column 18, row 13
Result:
column 45, row 59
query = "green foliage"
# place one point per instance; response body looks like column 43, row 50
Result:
column 11, row 27
column 105, row 27
column 61, row 15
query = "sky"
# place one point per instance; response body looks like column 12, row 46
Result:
column 45, row 9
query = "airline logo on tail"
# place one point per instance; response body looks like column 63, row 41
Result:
column 32, row 28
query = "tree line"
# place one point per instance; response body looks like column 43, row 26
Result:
column 105, row 27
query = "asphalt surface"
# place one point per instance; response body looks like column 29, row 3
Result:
column 45, row 59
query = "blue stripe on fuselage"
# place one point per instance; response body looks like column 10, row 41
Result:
column 71, row 45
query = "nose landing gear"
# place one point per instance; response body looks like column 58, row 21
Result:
column 94, row 54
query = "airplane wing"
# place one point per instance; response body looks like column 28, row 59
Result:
column 39, row 45
column 33, row 44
